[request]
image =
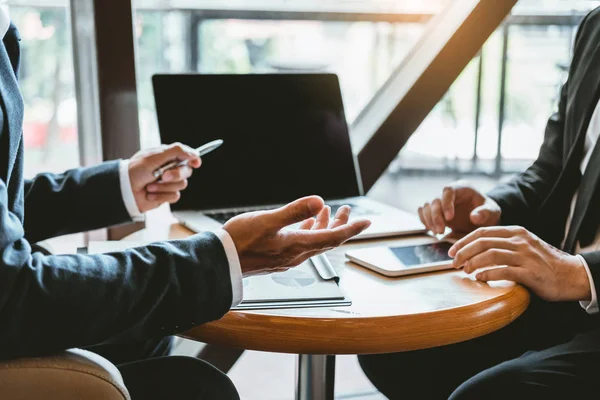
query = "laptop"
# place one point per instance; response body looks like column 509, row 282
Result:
column 285, row 136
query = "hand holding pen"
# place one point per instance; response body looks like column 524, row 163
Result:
column 151, row 188
column 202, row 150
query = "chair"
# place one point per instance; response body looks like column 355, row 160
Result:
column 71, row 375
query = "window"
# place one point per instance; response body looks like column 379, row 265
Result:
column 47, row 83
column 362, row 54
column 358, row 40
column 555, row 6
column 463, row 133
column 538, row 62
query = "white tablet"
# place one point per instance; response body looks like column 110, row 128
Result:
column 404, row 260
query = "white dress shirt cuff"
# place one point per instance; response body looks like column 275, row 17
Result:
column 127, row 192
column 235, row 269
column 591, row 307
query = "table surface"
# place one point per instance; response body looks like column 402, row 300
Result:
column 386, row 315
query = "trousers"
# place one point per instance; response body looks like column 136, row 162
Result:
column 150, row 373
column 551, row 352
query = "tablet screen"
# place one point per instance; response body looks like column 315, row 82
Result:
column 424, row 254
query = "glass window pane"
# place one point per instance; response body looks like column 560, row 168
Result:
column 318, row 36
column 310, row 6
column 448, row 132
column 538, row 58
column 47, row 82
column 555, row 6
column 362, row 54
column 538, row 61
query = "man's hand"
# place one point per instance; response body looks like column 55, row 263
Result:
column 524, row 258
column 264, row 246
column 149, row 193
column 461, row 208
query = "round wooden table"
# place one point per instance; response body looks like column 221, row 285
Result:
column 386, row 315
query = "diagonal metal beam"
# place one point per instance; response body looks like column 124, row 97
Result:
column 452, row 39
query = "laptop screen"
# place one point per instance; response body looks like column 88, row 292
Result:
column 285, row 136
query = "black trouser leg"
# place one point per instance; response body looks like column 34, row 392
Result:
column 121, row 353
column 148, row 374
column 181, row 378
column 434, row 374
column 567, row 371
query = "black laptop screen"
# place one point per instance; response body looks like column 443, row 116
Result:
column 285, row 136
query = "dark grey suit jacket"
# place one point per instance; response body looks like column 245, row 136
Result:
column 49, row 303
column 539, row 198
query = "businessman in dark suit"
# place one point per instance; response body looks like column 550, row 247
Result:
column 50, row 303
column 542, row 229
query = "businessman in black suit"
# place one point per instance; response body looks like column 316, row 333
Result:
column 553, row 350
column 50, row 303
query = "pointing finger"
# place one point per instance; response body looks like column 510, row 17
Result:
column 448, row 197
column 427, row 217
column 437, row 216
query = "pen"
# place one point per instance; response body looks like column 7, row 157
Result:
column 202, row 150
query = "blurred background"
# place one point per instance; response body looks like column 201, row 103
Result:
column 470, row 131
column 488, row 126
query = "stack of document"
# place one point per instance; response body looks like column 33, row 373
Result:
column 312, row 284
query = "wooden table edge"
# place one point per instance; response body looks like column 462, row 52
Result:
column 363, row 335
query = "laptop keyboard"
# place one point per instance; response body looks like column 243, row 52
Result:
column 224, row 216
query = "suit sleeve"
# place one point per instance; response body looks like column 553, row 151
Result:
column 50, row 303
column 79, row 200
column 523, row 195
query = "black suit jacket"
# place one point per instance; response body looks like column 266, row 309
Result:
column 539, row 198
column 49, row 303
